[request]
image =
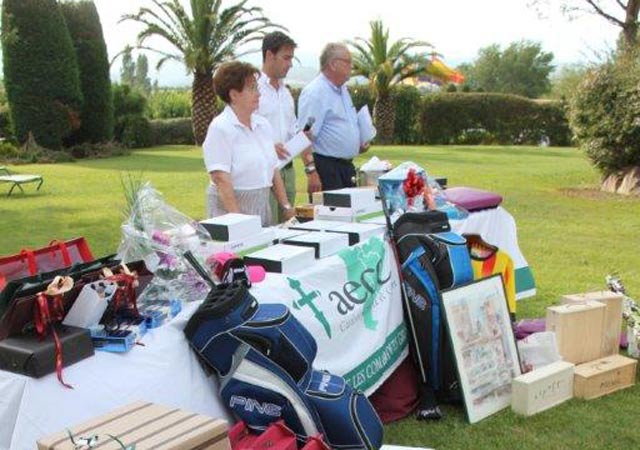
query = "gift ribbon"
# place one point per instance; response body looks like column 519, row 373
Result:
column 47, row 311
column 125, row 295
column 28, row 254
column 412, row 186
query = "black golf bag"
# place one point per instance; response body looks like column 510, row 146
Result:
column 432, row 258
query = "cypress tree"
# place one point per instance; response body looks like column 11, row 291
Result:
column 40, row 71
column 84, row 26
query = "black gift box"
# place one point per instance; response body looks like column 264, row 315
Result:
column 30, row 356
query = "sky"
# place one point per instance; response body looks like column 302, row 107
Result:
column 456, row 29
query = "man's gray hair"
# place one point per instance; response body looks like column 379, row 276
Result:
column 330, row 52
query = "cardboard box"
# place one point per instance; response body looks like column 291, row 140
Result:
column 232, row 227
column 612, row 316
column 352, row 214
column 349, row 197
column 604, row 376
column 262, row 239
column 542, row 389
column 282, row 258
column 305, row 211
column 147, row 425
column 323, row 244
column 360, row 232
column 28, row 355
column 579, row 329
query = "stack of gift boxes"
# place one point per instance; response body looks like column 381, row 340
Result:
column 288, row 250
column 587, row 330
column 345, row 205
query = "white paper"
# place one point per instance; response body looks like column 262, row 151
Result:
column 294, row 146
column 365, row 124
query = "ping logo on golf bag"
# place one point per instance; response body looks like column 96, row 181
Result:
column 415, row 298
column 251, row 405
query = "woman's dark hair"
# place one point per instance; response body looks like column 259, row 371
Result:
column 232, row 75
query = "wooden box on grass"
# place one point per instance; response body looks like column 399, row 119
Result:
column 542, row 388
column 579, row 329
column 147, row 426
column 604, row 376
column 612, row 316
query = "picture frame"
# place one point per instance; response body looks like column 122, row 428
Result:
column 483, row 344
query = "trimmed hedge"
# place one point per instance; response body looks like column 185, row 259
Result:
column 471, row 118
column 136, row 132
column 169, row 104
column 40, row 71
column 172, row 131
column 84, row 26
column 127, row 104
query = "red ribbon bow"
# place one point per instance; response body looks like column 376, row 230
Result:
column 413, row 186
column 49, row 310
column 125, row 296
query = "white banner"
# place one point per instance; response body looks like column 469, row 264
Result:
column 351, row 304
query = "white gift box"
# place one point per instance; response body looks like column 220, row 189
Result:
column 351, row 214
column 542, row 388
column 282, row 258
column 324, row 244
column 317, row 225
column 262, row 239
column 349, row 197
column 232, row 226
column 280, row 234
column 359, row 232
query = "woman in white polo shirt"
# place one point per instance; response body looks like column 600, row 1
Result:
column 239, row 150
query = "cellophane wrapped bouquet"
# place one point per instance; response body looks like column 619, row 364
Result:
column 159, row 234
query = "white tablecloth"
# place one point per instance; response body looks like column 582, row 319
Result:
column 365, row 347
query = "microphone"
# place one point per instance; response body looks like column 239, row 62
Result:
column 310, row 121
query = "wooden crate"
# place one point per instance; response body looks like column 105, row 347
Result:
column 612, row 316
column 542, row 389
column 604, row 376
column 148, row 426
column 579, row 329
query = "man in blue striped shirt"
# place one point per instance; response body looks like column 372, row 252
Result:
column 335, row 132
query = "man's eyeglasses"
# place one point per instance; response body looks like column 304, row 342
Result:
column 345, row 60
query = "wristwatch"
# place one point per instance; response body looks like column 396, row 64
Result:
column 287, row 206
column 309, row 168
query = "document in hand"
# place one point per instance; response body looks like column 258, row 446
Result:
column 365, row 124
column 294, row 146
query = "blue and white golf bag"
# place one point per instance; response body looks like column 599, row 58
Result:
column 432, row 258
column 264, row 357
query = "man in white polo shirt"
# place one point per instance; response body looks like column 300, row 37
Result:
column 277, row 106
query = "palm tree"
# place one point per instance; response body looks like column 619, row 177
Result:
column 202, row 40
column 385, row 65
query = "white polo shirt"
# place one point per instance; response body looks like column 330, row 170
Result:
column 248, row 154
column 277, row 106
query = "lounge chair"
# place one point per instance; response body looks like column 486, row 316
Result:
column 17, row 180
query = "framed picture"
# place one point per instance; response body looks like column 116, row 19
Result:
column 483, row 344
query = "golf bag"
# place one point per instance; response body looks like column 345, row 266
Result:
column 264, row 357
column 432, row 259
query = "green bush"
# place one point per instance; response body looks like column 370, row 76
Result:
column 408, row 102
column 471, row 118
column 169, row 104
column 172, row 131
column 604, row 115
column 127, row 103
column 91, row 53
column 6, row 127
column 40, row 71
column 87, row 150
column 137, row 132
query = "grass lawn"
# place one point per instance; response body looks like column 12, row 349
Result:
column 571, row 234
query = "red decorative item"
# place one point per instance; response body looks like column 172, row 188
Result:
column 56, row 255
column 276, row 437
column 49, row 309
column 125, row 298
column 412, row 186
column 316, row 443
